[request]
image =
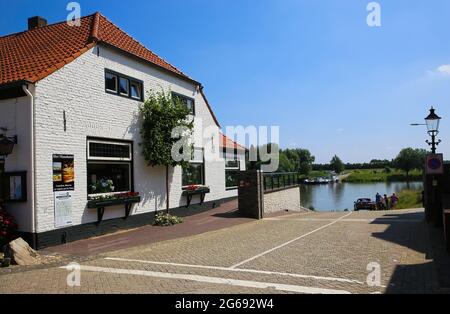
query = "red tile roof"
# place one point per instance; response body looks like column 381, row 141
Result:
column 34, row 54
column 226, row 142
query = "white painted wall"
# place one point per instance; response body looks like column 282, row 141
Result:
column 79, row 89
column 15, row 115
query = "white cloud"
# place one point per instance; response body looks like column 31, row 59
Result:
column 340, row 130
column 444, row 69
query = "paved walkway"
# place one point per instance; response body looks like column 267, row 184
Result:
column 221, row 217
column 297, row 253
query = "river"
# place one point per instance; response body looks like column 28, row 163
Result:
column 341, row 196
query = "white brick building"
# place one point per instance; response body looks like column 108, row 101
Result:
column 75, row 91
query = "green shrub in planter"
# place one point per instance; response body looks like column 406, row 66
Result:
column 165, row 220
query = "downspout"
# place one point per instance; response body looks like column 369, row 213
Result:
column 33, row 171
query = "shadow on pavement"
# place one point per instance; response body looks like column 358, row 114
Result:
column 410, row 230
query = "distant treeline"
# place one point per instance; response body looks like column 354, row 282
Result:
column 373, row 164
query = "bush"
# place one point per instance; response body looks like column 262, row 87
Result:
column 165, row 220
column 8, row 227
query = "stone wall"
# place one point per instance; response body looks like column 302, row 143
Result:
column 282, row 200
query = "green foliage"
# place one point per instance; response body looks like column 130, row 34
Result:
column 337, row 165
column 165, row 220
column 300, row 161
column 409, row 199
column 160, row 115
column 409, row 159
column 394, row 175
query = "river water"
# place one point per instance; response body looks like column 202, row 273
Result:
column 341, row 196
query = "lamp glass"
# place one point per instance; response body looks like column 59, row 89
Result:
column 433, row 121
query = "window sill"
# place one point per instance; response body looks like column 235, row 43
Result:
column 231, row 189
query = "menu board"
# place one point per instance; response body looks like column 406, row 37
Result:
column 63, row 209
column 63, row 173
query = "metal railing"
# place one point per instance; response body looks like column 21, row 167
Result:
column 276, row 181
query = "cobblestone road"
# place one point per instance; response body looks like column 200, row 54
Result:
column 301, row 253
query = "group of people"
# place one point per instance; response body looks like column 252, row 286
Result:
column 385, row 202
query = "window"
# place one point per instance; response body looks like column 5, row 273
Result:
column 111, row 82
column 188, row 102
column 109, row 167
column 123, row 85
column 232, row 168
column 194, row 174
column 135, row 90
column 124, row 88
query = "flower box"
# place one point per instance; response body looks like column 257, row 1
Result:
column 113, row 202
column 101, row 202
column 192, row 190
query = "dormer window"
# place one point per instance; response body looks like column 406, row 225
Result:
column 122, row 85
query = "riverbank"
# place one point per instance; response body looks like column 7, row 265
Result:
column 382, row 175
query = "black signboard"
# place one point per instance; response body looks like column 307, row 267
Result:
column 63, row 173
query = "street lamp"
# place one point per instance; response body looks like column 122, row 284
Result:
column 432, row 122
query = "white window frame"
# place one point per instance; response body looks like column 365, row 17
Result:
column 130, row 177
column 196, row 162
column 89, row 157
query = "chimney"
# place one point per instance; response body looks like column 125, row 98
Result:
column 36, row 22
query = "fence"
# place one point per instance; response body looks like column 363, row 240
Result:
column 277, row 181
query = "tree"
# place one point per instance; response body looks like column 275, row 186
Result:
column 337, row 165
column 409, row 159
column 301, row 160
column 161, row 114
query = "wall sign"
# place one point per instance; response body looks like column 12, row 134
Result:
column 63, row 209
column 63, row 173
column 435, row 164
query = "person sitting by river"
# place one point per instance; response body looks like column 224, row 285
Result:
column 386, row 202
column 378, row 200
column 394, row 200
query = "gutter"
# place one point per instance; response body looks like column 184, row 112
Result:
column 33, row 163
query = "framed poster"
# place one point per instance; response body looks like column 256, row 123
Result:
column 63, row 173
column 63, row 209
column 15, row 186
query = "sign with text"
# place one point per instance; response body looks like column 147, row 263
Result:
column 63, row 173
column 63, row 209
column 435, row 164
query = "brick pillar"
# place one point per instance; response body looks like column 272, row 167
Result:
column 251, row 194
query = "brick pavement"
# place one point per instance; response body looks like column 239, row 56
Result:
column 329, row 255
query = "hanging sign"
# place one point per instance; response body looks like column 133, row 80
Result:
column 435, row 164
column 63, row 173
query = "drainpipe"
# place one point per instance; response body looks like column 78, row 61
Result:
column 33, row 163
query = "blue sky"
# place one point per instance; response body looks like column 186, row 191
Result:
column 313, row 67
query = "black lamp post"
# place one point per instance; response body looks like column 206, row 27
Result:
column 432, row 123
